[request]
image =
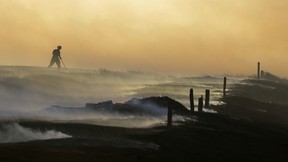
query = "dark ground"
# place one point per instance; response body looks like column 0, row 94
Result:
column 245, row 129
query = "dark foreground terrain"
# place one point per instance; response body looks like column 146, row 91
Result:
column 245, row 129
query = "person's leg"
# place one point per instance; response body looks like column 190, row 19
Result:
column 58, row 64
column 52, row 62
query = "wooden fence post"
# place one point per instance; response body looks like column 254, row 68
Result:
column 207, row 98
column 258, row 70
column 191, row 100
column 200, row 104
column 224, row 87
column 262, row 74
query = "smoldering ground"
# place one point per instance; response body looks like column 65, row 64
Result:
column 27, row 92
column 30, row 93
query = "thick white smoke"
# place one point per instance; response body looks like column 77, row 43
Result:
column 13, row 133
column 25, row 92
column 29, row 89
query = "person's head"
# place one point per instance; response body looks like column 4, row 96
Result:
column 59, row 47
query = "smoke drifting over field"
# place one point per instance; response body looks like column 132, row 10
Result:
column 29, row 89
column 26, row 92
column 13, row 133
column 35, row 93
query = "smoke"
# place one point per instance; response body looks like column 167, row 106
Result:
column 32, row 89
column 149, row 108
column 26, row 92
column 13, row 133
column 112, row 33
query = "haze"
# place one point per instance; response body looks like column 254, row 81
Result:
column 167, row 36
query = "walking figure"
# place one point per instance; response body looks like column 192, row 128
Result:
column 56, row 57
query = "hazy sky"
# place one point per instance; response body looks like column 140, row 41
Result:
column 170, row 36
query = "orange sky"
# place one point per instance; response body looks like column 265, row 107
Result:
column 170, row 36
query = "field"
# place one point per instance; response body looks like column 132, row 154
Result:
column 251, row 124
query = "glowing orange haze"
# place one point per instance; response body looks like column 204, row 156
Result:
column 170, row 36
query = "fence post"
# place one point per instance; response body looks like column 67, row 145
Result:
column 200, row 104
column 169, row 117
column 191, row 100
column 224, row 87
column 207, row 98
column 262, row 74
column 258, row 70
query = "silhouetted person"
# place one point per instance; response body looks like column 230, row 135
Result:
column 56, row 57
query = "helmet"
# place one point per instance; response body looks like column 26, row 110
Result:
column 59, row 47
